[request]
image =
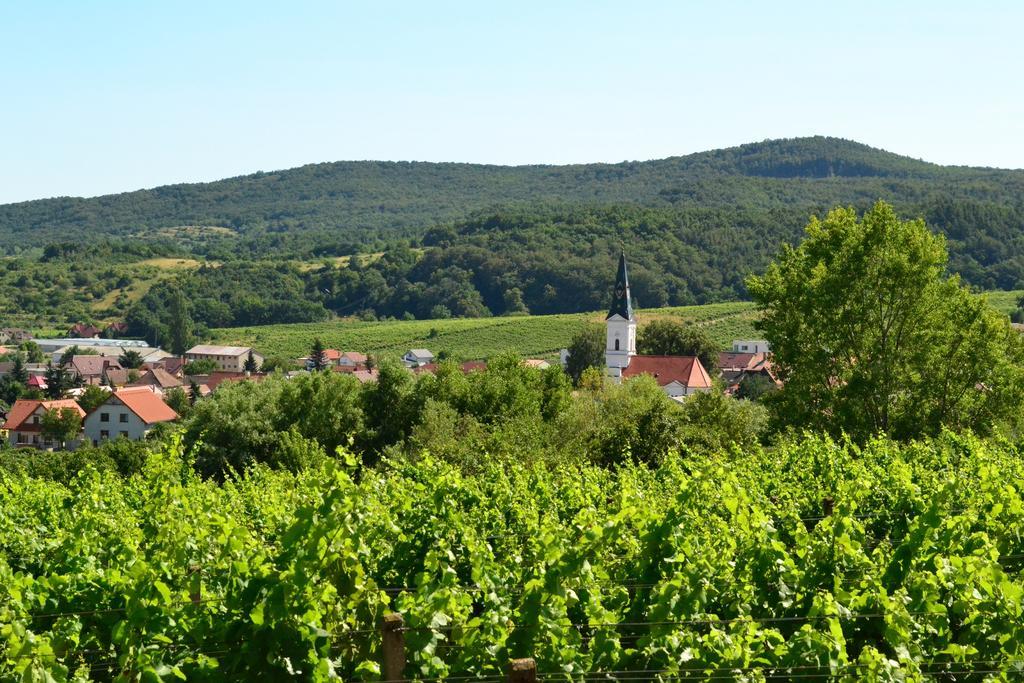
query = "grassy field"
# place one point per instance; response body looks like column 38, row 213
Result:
column 539, row 336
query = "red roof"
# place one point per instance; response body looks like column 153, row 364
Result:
column 467, row 367
column 687, row 370
column 146, row 404
column 332, row 355
column 23, row 409
column 36, row 381
column 728, row 360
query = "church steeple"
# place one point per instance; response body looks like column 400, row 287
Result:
column 622, row 301
column 620, row 325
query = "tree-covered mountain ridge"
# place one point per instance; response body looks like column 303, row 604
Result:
column 359, row 201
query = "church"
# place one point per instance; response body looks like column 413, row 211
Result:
column 678, row 376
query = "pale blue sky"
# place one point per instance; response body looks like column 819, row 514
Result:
column 102, row 97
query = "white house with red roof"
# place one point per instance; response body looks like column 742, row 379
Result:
column 130, row 413
column 25, row 422
column 676, row 375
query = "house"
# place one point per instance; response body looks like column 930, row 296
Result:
column 83, row 331
column 352, row 359
column 751, row 346
column 115, row 330
column 36, row 382
column 466, row 367
column 157, row 379
column 14, row 335
column 538, row 363
column 130, row 413
column 416, row 357
column 676, row 375
column 24, row 422
column 227, row 358
column 92, row 369
column 218, row 377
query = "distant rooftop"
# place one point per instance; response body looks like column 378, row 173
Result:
column 54, row 344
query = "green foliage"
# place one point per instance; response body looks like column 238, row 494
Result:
column 870, row 336
column 885, row 562
column 200, row 366
column 93, row 397
column 178, row 399
column 586, row 350
column 317, row 359
column 667, row 337
column 130, row 359
column 60, row 425
column 181, row 328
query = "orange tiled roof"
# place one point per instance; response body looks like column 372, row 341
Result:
column 146, row 404
column 687, row 370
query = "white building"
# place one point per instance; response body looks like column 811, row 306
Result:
column 229, row 358
column 750, row 346
column 417, row 357
column 130, row 412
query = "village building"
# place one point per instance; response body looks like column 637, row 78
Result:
column 83, row 331
column 417, row 357
column 130, row 413
column 24, row 424
column 14, row 335
column 678, row 376
column 227, row 358
column 751, row 346
column 92, row 369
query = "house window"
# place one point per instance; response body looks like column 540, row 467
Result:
column 104, row 417
column 616, row 343
column 104, row 434
column 35, row 419
column 124, row 433
column 123, row 417
column 21, row 437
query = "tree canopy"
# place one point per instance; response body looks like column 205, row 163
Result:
column 870, row 335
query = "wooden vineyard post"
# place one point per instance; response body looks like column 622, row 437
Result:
column 522, row 671
column 393, row 647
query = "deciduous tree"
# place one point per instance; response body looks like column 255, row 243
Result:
column 871, row 336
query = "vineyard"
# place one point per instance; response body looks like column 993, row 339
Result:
column 479, row 338
column 811, row 561
column 473, row 338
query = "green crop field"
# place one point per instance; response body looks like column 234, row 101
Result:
column 538, row 336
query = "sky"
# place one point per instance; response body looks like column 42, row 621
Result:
column 99, row 97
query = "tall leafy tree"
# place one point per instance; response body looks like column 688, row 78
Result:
column 664, row 337
column 181, row 329
column 93, row 397
column 871, row 336
column 61, row 425
column 586, row 350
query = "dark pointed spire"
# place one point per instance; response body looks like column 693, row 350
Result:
column 622, row 301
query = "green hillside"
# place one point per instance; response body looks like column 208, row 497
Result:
column 478, row 241
column 351, row 202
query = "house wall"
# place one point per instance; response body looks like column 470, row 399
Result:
column 229, row 363
column 119, row 422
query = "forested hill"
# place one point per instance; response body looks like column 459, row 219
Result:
column 437, row 240
column 345, row 205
